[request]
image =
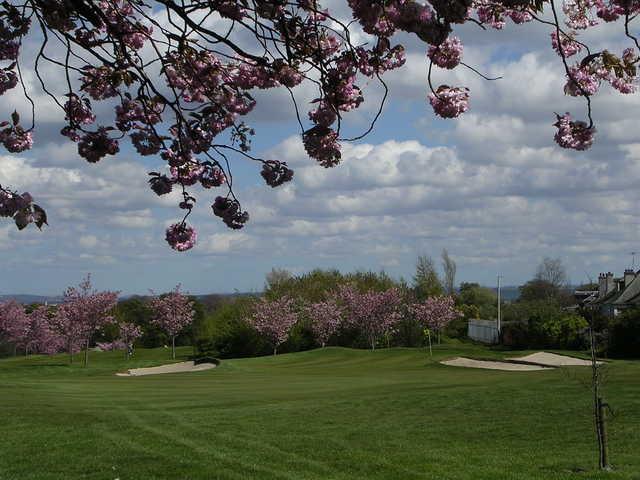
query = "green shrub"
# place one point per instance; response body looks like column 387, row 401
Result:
column 624, row 335
column 206, row 347
column 567, row 331
column 515, row 334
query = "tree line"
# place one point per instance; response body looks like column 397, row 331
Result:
column 85, row 317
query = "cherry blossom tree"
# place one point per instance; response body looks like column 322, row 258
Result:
column 374, row 313
column 37, row 336
column 65, row 326
column 178, row 77
column 83, row 312
column 273, row 319
column 129, row 333
column 326, row 318
column 172, row 312
column 435, row 313
column 28, row 332
column 13, row 322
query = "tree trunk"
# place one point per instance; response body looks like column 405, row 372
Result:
column 429, row 339
column 70, row 349
column 275, row 350
column 604, row 440
column 86, row 354
column 599, row 416
column 173, row 347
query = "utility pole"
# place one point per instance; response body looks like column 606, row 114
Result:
column 498, row 325
column 633, row 260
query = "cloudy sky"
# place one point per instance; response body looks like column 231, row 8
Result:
column 491, row 187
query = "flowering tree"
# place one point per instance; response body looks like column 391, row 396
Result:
column 13, row 321
column 68, row 330
column 28, row 332
column 326, row 318
column 435, row 313
column 37, row 336
column 83, row 312
column 129, row 333
column 178, row 77
column 374, row 313
column 172, row 313
column 274, row 319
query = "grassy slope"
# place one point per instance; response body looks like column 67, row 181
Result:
column 332, row 414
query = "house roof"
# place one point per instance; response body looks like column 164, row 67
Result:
column 629, row 293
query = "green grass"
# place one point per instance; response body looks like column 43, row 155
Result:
column 324, row 414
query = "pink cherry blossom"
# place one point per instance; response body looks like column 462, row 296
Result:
column 569, row 46
column 449, row 102
column 448, row 54
column 181, row 237
column 374, row 313
column 172, row 312
column 576, row 135
column 326, row 318
column 273, row 319
column 83, row 312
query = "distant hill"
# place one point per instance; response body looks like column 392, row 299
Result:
column 508, row 293
column 27, row 299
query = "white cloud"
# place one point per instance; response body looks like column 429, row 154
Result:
column 88, row 241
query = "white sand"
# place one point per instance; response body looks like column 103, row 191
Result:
column 170, row 368
column 553, row 360
column 470, row 363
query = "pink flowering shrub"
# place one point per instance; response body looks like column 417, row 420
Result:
column 110, row 346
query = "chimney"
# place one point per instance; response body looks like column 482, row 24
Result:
column 629, row 275
column 610, row 283
column 602, row 285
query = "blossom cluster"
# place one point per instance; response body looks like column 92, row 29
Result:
column 572, row 134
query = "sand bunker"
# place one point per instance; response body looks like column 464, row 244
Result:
column 470, row 363
column 170, row 368
column 535, row 361
column 553, row 360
